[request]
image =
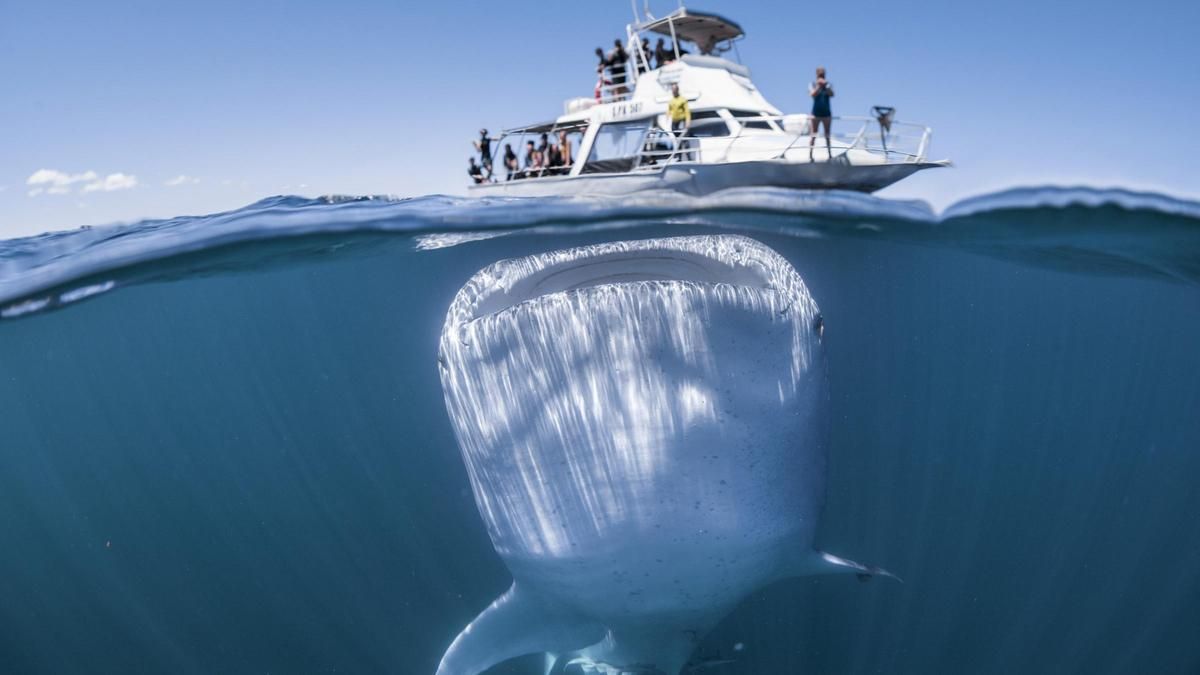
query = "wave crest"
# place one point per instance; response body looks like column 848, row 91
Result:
column 1164, row 230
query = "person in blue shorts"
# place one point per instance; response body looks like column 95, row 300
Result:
column 820, row 91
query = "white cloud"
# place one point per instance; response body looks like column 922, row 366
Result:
column 53, row 182
column 113, row 181
column 181, row 180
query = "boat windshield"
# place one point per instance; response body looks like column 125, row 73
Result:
column 617, row 146
column 752, row 120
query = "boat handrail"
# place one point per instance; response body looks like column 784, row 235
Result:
column 500, row 173
column 904, row 142
column 609, row 93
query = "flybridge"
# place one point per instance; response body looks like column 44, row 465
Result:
column 712, row 34
column 620, row 141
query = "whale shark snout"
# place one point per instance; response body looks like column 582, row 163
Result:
column 644, row 425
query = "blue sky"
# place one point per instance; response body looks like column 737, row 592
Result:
column 155, row 109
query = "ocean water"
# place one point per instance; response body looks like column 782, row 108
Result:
column 224, row 446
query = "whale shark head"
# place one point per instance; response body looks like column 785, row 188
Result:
column 644, row 427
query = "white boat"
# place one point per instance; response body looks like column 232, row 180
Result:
column 620, row 139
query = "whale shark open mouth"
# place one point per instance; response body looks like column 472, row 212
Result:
column 644, row 427
column 614, row 349
column 724, row 260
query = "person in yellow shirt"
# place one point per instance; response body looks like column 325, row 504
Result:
column 681, row 118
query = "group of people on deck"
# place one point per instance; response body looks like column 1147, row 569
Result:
column 543, row 158
column 612, row 71
column 546, row 158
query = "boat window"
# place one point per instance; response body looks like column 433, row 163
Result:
column 710, row 128
column 708, row 124
column 747, row 119
column 616, row 146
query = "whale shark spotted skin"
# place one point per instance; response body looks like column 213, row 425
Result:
column 644, row 425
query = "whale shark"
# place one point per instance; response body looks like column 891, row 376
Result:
column 645, row 428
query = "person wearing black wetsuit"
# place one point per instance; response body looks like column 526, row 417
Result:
column 543, row 150
column 617, row 62
column 484, row 146
column 662, row 55
column 643, row 60
column 510, row 161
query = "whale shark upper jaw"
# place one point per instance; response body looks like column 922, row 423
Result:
column 727, row 260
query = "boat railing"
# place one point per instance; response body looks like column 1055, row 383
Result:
column 615, row 90
column 662, row 147
column 897, row 142
column 791, row 137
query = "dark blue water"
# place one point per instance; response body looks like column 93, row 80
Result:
column 233, row 455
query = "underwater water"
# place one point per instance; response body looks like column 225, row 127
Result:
column 224, row 445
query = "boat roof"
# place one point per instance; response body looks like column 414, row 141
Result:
column 701, row 28
column 566, row 123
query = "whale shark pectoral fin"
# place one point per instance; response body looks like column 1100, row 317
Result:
column 517, row 623
column 820, row 562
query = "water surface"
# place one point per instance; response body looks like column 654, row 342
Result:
column 223, row 445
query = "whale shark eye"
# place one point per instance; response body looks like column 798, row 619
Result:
column 819, row 326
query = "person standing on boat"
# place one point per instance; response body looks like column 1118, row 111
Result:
column 603, row 59
column 643, row 57
column 532, row 160
column 820, row 91
column 618, row 60
column 510, row 161
column 484, row 147
column 602, row 82
column 564, row 146
column 681, row 118
column 662, row 55
column 543, row 152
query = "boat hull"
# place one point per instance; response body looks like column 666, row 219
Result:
column 702, row 179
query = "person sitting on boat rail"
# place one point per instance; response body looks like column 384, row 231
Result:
column 532, row 160
column 681, row 118
column 820, row 91
column 475, row 172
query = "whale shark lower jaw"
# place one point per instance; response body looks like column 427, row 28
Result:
column 644, row 425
